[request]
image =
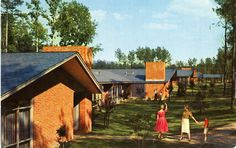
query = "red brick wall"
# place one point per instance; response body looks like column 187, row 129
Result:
column 52, row 97
column 52, row 109
column 155, row 71
column 149, row 88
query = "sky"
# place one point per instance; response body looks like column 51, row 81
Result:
column 184, row 27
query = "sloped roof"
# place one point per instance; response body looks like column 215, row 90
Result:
column 125, row 75
column 199, row 74
column 184, row 73
column 212, row 76
column 20, row 68
column 169, row 74
column 119, row 75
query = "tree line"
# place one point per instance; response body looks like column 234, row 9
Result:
column 69, row 23
column 137, row 58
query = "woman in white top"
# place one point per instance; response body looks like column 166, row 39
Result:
column 185, row 127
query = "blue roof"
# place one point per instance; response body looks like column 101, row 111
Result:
column 125, row 75
column 184, row 73
column 18, row 68
column 119, row 75
column 212, row 76
column 169, row 74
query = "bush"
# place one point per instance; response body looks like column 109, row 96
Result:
column 200, row 102
column 181, row 89
column 212, row 89
column 142, row 126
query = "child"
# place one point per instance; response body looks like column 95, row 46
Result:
column 206, row 125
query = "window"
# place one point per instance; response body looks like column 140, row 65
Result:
column 17, row 120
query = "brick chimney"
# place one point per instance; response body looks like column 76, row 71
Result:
column 155, row 71
column 84, row 51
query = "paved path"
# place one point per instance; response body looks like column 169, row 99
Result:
column 224, row 136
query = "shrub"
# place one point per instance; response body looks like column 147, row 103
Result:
column 200, row 102
column 181, row 89
column 212, row 89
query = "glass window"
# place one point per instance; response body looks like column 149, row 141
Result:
column 10, row 128
column 17, row 117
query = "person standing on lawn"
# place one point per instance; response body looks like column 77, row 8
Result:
column 205, row 124
column 161, row 125
column 185, row 127
column 155, row 94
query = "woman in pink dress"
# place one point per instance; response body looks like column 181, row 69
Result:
column 161, row 122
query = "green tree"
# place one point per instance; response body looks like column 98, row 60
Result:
column 122, row 58
column 208, row 65
column 23, row 40
column 227, row 11
column 219, row 65
column 97, row 48
column 75, row 25
column 179, row 64
column 131, row 58
column 145, row 54
column 9, row 12
column 38, row 30
column 162, row 54
column 192, row 62
column 201, row 66
column 54, row 6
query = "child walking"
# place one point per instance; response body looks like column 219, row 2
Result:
column 206, row 125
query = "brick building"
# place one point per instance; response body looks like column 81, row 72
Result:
column 136, row 82
column 42, row 92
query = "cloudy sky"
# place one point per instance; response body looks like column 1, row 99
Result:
column 184, row 27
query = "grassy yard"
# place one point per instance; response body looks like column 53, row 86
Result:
column 217, row 111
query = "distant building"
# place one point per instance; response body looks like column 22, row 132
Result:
column 185, row 75
column 213, row 77
column 136, row 82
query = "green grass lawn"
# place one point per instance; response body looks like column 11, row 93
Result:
column 217, row 111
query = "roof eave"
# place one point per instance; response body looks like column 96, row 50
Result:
column 21, row 86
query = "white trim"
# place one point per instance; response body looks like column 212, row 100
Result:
column 85, row 67
column 155, row 80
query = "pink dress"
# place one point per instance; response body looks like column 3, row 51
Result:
column 161, row 123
